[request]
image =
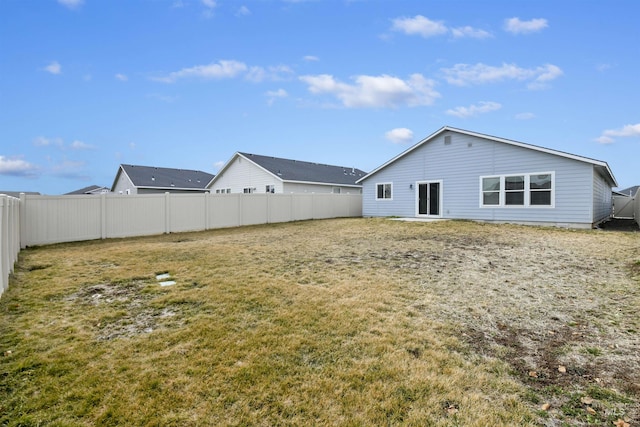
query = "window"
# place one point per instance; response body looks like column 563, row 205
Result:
column 540, row 189
column 514, row 190
column 336, row 190
column 525, row 190
column 491, row 190
column 270, row 189
column 383, row 191
column 223, row 191
column 248, row 190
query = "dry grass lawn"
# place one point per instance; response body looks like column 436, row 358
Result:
column 338, row 322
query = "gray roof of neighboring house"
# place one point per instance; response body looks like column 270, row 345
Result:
column 155, row 177
column 299, row 171
column 92, row 189
column 631, row 191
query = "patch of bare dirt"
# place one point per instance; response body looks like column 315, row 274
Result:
column 125, row 309
column 559, row 306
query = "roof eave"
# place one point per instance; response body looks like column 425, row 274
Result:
column 292, row 181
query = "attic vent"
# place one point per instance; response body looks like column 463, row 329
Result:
column 153, row 178
column 447, row 140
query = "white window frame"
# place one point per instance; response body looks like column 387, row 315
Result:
column 390, row 184
column 248, row 190
column 527, row 191
column 270, row 188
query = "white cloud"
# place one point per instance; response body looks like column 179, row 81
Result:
column 466, row 74
column 274, row 94
column 375, row 91
column 42, row 141
column 626, row 131
column 419, row 25
column 16, row 167
column 121, row 77
column 209, row 6
column 311, row 58
column 243, row 11
column 70, row 169
column 71, row 4
column 473, row 110
column 79, row 145
column 399, row 135
column 516, row 26
column 53, row 68
column 219, row 164
column 525, row 116
column 603, row 67
column 221, row 70
column 275, row 73
column 470, row 32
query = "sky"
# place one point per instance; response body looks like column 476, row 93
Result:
column 86, row 85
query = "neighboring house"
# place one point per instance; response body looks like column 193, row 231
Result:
column 92, row 189
column 251, row 173
column 460, row 174
column 131, row 179
column 631, row 191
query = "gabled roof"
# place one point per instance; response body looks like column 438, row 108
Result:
column 92, row 189
column 164, row 178
column 302, row 172
column 631, row 191
column 602, row 166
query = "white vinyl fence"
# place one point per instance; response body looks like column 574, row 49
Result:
column 56, row 219
column 637, row 207
column 40, row 220
column 9, row 237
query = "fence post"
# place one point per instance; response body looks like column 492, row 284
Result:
column 4, row 260
column 206, row 210
column 167, row 213
column 103, row 216
column 23, row 220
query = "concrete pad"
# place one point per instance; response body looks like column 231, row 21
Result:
column 420, row 219
column 167, row 283
column 163, row 276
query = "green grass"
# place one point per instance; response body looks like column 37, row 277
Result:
column 313, row 323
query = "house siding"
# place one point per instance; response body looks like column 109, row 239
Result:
column 460, row 165
column 245, row 174
column 123, row 184
column 602, row 199
column 292, row 187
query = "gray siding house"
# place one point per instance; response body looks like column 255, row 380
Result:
column 459, row 174
column 253, row 173
column 133, row 179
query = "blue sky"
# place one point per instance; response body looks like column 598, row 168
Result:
column 86, row 85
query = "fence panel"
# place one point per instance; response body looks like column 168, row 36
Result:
column 56, row 219
column 139, row 215
column 636, row 203
column 9, row 238
column 187, row 212
column 281, row 208
column 224, row 210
